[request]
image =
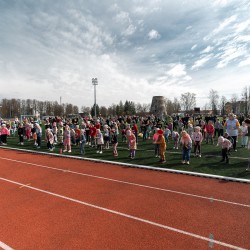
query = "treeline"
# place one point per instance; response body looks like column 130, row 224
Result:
column 10, row 108
column 187, row 102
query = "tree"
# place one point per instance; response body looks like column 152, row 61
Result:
column 234, row 99
column 246, row 99
column 222, row 105
column 214, row 97
column 188, row 101
column 103, row 111
column 142, row 109
column 93, row 110
column 129, row 108
column 85, row 110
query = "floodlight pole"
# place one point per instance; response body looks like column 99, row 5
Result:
column 95, row 82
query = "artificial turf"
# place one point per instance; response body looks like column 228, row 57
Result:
column 209, row 163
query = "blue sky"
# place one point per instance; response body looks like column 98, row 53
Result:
column 137, row 49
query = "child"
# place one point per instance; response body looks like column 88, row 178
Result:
column 156, row 145
column 209, row 129
column 60, row 134
column 82, row 142
column 34, row 135
column 77, row 134
column 162, row 146
column 106, row 136
column 190, row 129
column 225, row 146
column 114, row 142
column 49, row 138
column 67, row 139
column 54, row 132
column 4, row 134
column 167, row 133
column 20, row 132
column 197, row 138
column 124, row 137
column 99, row 141
column 243, row 132
column 132, row 143
column 230, row 138
column 186, row 142
column 175, row 137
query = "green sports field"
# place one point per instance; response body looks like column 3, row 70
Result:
column 209, row 163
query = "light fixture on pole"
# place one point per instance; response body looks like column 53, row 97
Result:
column 95, row 82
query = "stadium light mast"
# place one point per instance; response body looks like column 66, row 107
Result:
column 95, row 82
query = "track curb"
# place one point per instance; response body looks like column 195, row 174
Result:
column 219, row 177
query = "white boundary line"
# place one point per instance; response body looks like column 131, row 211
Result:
column 129, row 183
column 128, row 216
column 4, row 246
column 136, row 166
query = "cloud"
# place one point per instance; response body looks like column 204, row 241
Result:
column 245, row 62
column 201, row 62
column 131, row 47
column 153, row 34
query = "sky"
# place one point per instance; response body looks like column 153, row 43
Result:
column 136, row 49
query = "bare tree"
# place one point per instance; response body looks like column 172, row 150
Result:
column 85, row 110
column 246, row 99
column 214, row 97
column 234, row 100
column 188, row 101
column 222, row 105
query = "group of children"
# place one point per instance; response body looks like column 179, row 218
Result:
column 195, row 136
column 100, row 137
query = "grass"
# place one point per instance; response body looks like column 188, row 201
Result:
column 209, row 163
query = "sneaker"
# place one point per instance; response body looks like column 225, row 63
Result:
column 176, row 147
column 97, row 152
column 64, row 150
column 248, row 169
column 187, row 162
column 69, row 151
column 183, row 162
column 100, row 152
column 200, row 156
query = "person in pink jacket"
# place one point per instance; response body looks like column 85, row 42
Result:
column 4, row 134
column 132, row 143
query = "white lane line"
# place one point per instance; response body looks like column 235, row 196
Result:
column 131, row 183
column 4, row 246
column 127, row 216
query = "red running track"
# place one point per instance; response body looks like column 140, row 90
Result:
column 49, row 202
